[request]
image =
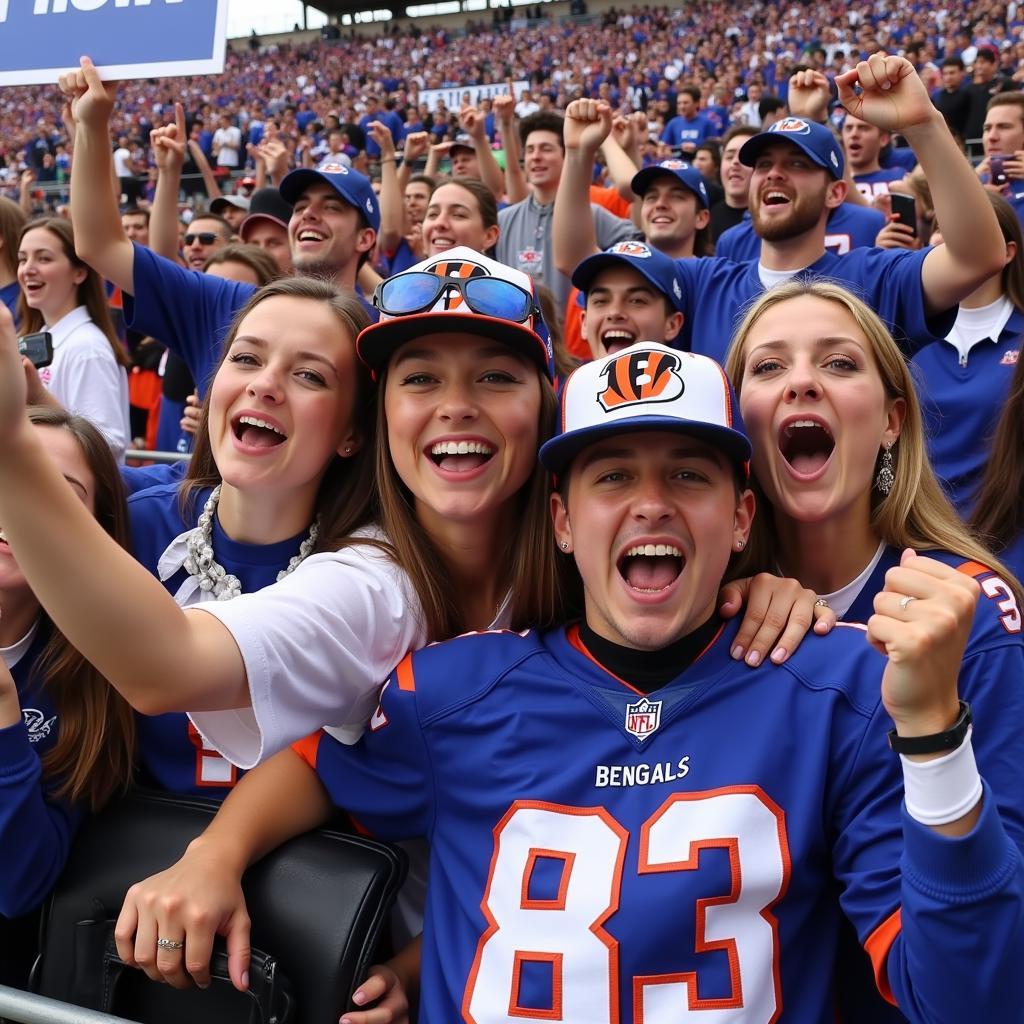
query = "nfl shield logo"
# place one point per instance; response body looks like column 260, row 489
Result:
column 643, row 718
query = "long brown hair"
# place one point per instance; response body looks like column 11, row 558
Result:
column 94, row 753
column 998, row 514
column 345, row 499
column 916, row 513
column 1012, row 276
column 12, row 220
column 530, row 566
column 90, row 292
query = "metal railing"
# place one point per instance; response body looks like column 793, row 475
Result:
column 140, row 455
column 27, row 1008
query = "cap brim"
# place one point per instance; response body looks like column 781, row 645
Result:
column 557, row 454
column 296, row 182
column 259, row 216
column 753, row 147
column 378, row 342
column 642, row 180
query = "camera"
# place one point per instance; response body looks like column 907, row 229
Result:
column 38, row 348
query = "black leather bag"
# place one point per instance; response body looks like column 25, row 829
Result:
column 318, row 905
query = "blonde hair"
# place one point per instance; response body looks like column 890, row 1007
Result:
column 916, row 513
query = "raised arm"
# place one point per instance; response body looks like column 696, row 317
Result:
column 587, row 125
column 169, row 153
column 893, row 98
column 391, row 206
column 516, row 188
column 210, row 182
column 415, row 147
column 472, row 123
column 99, row 238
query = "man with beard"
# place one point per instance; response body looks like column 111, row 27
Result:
column 796, row 182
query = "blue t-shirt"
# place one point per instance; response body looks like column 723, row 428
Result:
column 682, row 131
column 899, row 156
column 35, row 829
column 171, row 752
column 716, row 293
column 962, row 402
column 566, row 811
column 849, row 227
column 9, row 297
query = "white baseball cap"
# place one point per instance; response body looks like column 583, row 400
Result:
column 647, row 386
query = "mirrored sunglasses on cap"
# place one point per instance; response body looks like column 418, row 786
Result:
column 417, row 291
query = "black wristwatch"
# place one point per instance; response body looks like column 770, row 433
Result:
column 937, row 742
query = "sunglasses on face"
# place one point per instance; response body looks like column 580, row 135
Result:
column 418, row 291
column 203, row 237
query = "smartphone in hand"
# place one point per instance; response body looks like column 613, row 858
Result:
column 38, row 348
column 906, row 207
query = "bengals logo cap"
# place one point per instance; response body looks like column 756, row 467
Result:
column 647, row 386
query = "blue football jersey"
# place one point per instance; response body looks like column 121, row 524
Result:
column 35, row 829
column 717, row 291
column 599, row 854
column 876, row 183
column 849, row 227
column 172, row 753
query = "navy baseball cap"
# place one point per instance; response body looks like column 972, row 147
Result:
column 352, row 186
column 658, row 268
column 462, row 141
column 266, row 204
column 814, row 139
column 686, row 173
column 647, row 386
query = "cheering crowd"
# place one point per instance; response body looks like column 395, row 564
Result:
column 651, row 433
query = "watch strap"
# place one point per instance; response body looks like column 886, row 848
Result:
column 937, row 742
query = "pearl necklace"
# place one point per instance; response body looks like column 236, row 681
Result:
column 212, row 576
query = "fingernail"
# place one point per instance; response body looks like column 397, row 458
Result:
column 779, row 655
column 753, row 659
column 359, row 997
column 245, row 979
column 737, row 652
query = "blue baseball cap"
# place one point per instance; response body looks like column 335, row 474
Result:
column 814, row 139
column 654, row 265
column 352, row 186
column 686, row 173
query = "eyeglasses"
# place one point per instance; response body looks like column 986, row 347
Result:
column 417, row 291
column 203, row 237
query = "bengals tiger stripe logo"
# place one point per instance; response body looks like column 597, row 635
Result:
column 637, row 377
column 452, row 297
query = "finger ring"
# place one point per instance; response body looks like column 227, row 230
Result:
column 904, row 601
column 821, row 603
column 169, row 944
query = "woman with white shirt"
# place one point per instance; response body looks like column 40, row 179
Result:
column 62, row 295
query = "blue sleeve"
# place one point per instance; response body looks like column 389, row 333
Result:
column 185, row 310
column 385, row 780
column 139, row 478
column 893, row 278
column 725, row 245
column 942, row 919
column 35, row 833
column 670, row 133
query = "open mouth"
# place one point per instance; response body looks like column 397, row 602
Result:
column 651, row 568
column 775, row 198
column 460, row 456
column 258, row 433
column 615, row 340
column 806, row 445
column 308, row 235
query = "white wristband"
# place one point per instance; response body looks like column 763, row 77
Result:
column 944, row 790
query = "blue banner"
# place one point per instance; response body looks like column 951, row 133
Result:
column 39, row 39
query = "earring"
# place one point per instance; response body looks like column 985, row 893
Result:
column 886, row 477
column 348, row 450
column 565, row 545
column 739, row 545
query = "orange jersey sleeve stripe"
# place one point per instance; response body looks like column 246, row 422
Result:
column 973, row 569
column 404, row 674
column 877, row 945
column 307, row 748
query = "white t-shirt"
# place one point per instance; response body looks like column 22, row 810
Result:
column 230, row 142
column 87, row 379
column 317, row 646
column 123, row 163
